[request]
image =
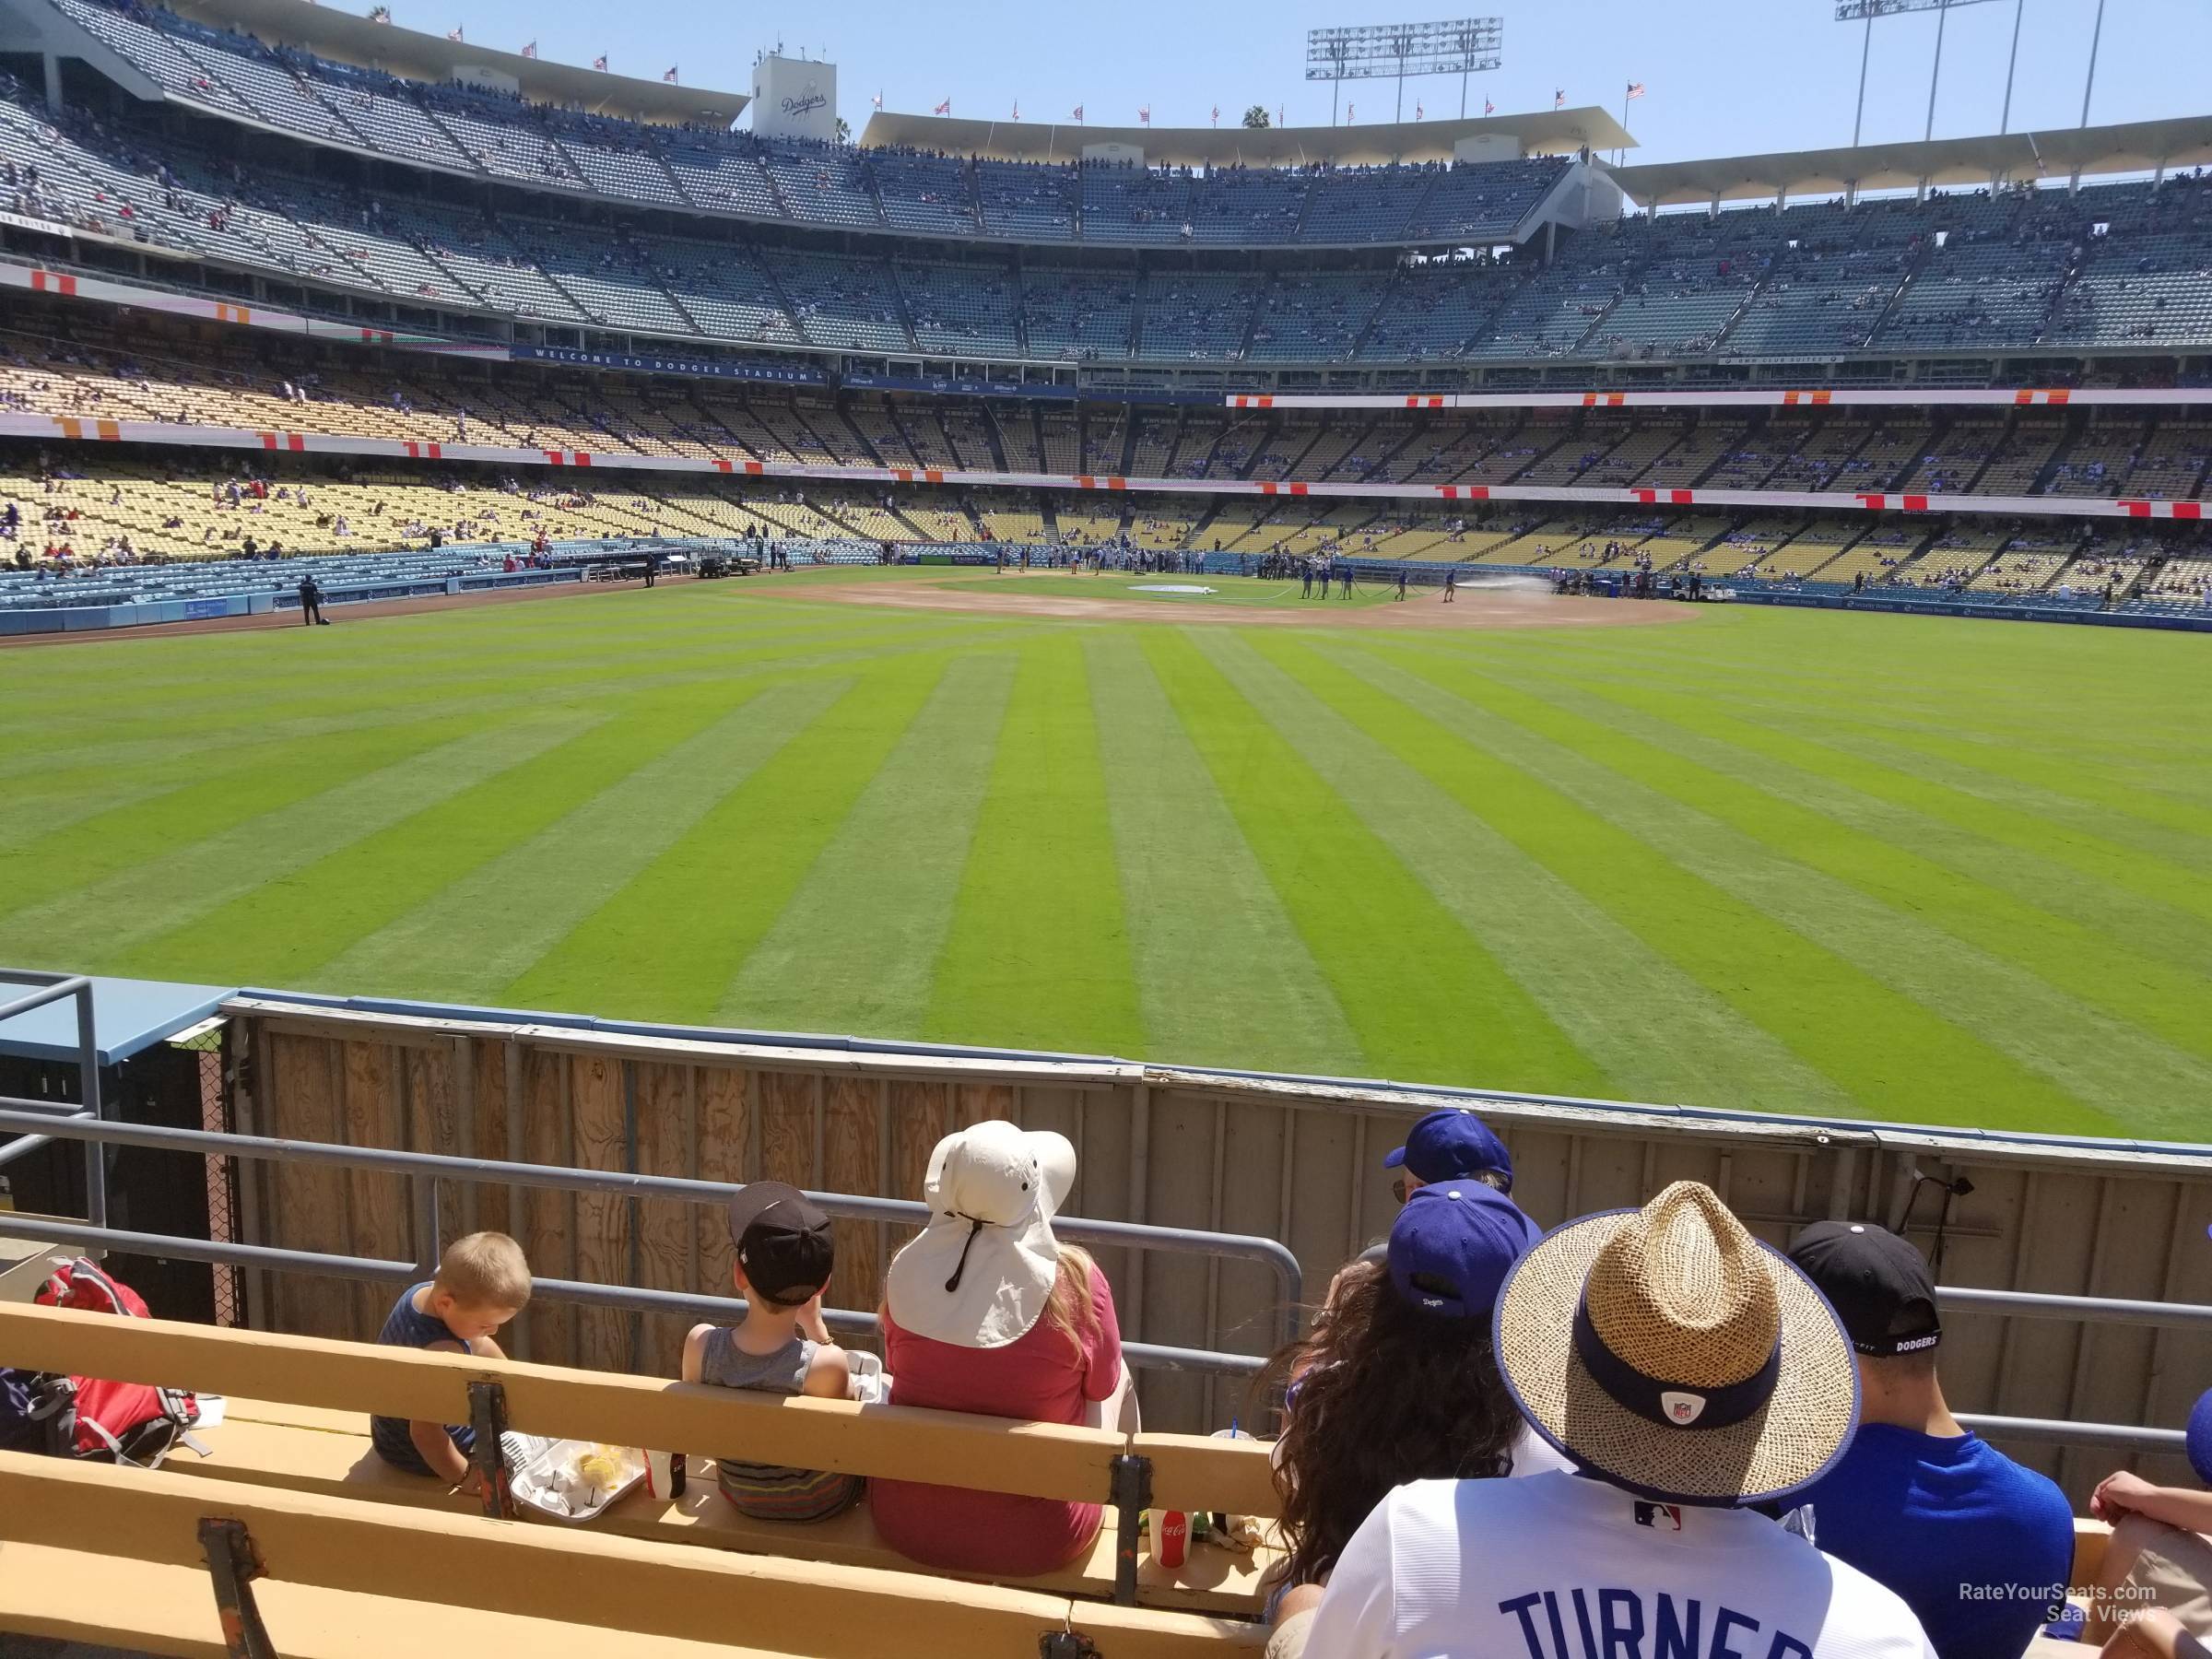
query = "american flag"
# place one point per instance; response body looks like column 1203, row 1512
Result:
column 453, row 34
column 530, row 50
column 1078, row 112
column 1418, row 114
column 1217, row 114
column 877, row 101
column 1350, row 112
column 1144, row 115
column 1017, row 108
column 1558, row 98
column 600, row 62
column 1488, row 108
column 1635, row 89
column 669, row 75
column 943, row 109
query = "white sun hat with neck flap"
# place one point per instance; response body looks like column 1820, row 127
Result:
column 980, row 1272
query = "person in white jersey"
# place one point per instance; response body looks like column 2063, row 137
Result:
column 1690, row 1372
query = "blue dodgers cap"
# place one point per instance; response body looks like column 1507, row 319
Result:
column 1453, row 1245
column 1452, row 1145
column 2199, row 1441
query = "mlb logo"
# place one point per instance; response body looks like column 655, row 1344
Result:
column 1660, row 1517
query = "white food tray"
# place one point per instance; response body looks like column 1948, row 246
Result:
column 536, row 1465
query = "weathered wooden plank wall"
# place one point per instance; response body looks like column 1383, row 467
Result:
column 1302, row 1164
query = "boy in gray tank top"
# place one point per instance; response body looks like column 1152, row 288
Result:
column 785, row 1255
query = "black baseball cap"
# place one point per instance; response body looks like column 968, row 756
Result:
column 1879, row 1284
column 783, row 1241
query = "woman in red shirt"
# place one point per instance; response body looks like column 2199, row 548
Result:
column 987, row 1312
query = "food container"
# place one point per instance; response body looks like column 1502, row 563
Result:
column 867, row 1380
column 571, row 1481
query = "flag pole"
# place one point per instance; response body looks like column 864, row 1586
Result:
column 2012, row 64
column 1866, row 50
column 2088, row 85
column 1943, row 16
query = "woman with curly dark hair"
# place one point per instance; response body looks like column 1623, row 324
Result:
column 1396, row 1383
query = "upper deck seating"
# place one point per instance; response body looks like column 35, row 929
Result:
column 1484, row 202
column 1032, row 201
column 1366, row 205
column 930, row 193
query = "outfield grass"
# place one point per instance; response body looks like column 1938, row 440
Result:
column 1887, row 866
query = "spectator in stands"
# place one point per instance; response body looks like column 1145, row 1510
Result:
column 2161, row 1553
column 483, row 1281
column 1398, row 1383
column 1449, row 1145
column 1970, row 1539
column 1693, row 1375
column 986, row 1312
column 784, row 1254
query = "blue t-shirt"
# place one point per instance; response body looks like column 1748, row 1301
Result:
column 1978, row 1546
column 409, row 1328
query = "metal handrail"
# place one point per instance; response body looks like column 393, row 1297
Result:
column 425, row 1168
column 1270, row 1253
column 624, row 1298
column 52, row 988
column 2088, row 1310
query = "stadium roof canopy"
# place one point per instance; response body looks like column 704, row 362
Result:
column 1545, row 132
column 2132, row 147
column 350, row 38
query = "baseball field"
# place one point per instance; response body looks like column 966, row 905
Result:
column 1895, row 867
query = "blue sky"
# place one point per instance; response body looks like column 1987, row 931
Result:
column 1725, row 77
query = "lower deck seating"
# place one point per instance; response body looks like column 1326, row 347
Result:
column 310, row 1449
column 126, row 1547
column 304, row 1463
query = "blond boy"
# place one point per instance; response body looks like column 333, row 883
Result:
column 483, row 1281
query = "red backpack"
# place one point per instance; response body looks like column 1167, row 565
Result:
column 86, row 1416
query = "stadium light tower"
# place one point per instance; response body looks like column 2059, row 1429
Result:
column 1459, row 46
column 1850, row 11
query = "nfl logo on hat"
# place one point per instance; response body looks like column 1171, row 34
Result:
column 1682, row 1409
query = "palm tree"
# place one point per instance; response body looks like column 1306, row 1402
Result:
column 1258, row 116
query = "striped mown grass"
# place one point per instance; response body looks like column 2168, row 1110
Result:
column 1892, row 867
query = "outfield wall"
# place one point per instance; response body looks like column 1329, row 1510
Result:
column 97, row 619
column 1296, row 1158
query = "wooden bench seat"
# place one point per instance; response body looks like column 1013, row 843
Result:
column 148, row 1607
column 113, row 1555
column 2092, row 1539
column 310, row 1449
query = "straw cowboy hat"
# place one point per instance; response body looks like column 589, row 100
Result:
column 1672, row 1353
column 982, row 1271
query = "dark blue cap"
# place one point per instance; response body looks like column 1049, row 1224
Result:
column 1452, row 1145
column 1453, row 1245
column 2200, row 1438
